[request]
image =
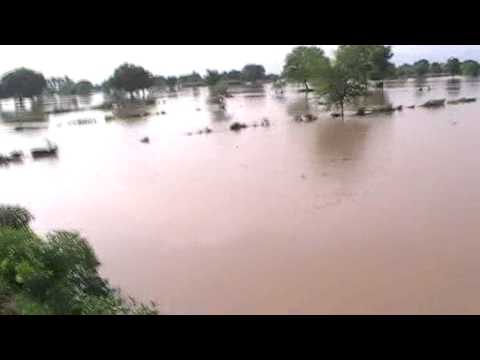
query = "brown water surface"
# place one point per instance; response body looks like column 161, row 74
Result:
column 374, row 215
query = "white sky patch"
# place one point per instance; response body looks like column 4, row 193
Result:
column 97, row 62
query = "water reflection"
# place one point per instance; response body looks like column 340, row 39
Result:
column 298, row 106
column 453, row 86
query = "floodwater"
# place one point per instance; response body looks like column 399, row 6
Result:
column 373, row 215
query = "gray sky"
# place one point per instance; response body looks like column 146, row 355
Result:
column 97, row 62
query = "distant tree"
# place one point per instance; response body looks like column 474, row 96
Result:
column 234, row 75
column 131, row 78
column 304, row 64
column 212, row 77
column 470, row 68
column 253, row 72
column 272, row 77
column 60, row 85
column 172, row 82
column 421, row 67
column 23, row 83
column 436, row 68
column 159, row 81
column 405, row 70
column 453, row 66
column 193, row 78
column 83, row 87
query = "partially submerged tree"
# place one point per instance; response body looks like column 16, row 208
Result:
column 131, row 78
column 172, row 82
column 405, row 70
column 23, row 83
column 343, row 80
column 253, row 73
column 83, row 87
column 304, row 64
column 436, row 68
column 470, row 68
column 421, row 67
column 212, row 77
column 453, row 66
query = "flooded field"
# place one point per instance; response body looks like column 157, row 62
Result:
column 373, row 215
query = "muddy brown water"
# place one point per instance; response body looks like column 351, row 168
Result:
column 374, row 215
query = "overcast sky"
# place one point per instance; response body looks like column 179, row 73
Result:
column 97, row 62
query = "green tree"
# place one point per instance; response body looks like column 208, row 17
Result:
column 470, row 68
column 405, row 70
column 339, row 85
column 253, row 72
column 234, row 75
column 212, row 77
column 304, row 64
column 453, row 66
column 421, row 67
column 379, row 59
column 131, row 78
column 57, row 274
column 172, row 82
column 83, row 87
column 23, row 83
column 436, row 68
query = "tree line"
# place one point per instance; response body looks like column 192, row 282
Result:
column 453, row 66
column 345, row 75
column 129, row 78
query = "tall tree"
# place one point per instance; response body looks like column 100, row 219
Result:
column 83, row 87
column 421, row 67
column 405, row 70
column 453, row 66
column 338, row 84
column 436, row 68
column 131, row 78
column 304, row 64
column 470, row 68
column 212, row 77
column 379, row 59
column 253, row 72
column 23, row 83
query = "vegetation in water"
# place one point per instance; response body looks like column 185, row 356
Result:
column 55, row 274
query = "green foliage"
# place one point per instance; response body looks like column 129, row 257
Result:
column 193, row 79
column 366, row 62
column 339, row 84
column 172, row 82
column 436, row 68
column 470, row 68
column 131, row 78
column 304, row 64
column 405, row 70
column 55, row 275
column 14, row 217
column 381, row 67
column 23, row 83
column 59, row 85
column 213, row 77
column 421, row 67
column 83, row 87
column 453, row 66
column 253, row 72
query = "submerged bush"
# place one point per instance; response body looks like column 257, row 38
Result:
column 54, row 275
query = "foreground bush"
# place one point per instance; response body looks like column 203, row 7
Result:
column 57, row 274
